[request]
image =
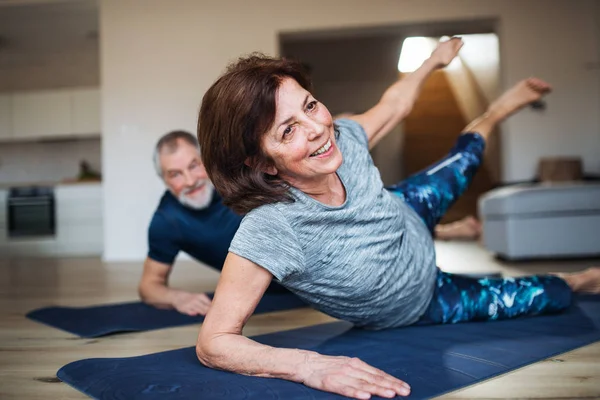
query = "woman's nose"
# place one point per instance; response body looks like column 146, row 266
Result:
column 315, row 130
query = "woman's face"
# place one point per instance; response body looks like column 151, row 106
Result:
column 301, row 141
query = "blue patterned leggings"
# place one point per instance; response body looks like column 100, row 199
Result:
column 457, row 298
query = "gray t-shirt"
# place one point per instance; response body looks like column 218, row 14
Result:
column 370, row 261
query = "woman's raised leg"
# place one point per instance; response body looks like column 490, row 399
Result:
column 432, row 191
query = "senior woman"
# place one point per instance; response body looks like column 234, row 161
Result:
column 320, row 222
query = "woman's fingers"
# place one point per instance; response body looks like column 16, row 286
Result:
column 382, row 383
column 376, row 384
column 379, row 376
column 357, row 387
column 352, row 386
column 354, row 378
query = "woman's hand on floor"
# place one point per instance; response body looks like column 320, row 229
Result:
column 349, row 377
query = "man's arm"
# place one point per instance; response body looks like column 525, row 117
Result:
column 398, row 100
column 221, row 343
column 154, row 290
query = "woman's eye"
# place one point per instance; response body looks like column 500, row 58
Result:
column 287, row 131
column 312, row 105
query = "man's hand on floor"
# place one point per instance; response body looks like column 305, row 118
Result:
column 192, row 303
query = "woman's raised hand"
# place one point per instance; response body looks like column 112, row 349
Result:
column 446, row 51
column 349, row 377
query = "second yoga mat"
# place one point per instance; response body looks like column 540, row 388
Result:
column 109, row 319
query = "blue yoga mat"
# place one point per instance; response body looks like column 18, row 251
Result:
column 109, row 319
column 433, row 359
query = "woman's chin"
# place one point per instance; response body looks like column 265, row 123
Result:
column 331, row 165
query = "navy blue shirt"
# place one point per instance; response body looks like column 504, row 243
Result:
column 203, row 234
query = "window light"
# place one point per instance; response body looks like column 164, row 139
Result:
column 415, row 50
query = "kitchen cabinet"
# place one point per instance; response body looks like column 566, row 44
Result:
column 3, row 219
column 79, row 229
column 73, row 112
column 85, row 111
column 41, row 114
column 5, row 116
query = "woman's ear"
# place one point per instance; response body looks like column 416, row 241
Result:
column 269, row 170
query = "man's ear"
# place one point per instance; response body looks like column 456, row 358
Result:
column 270, row 170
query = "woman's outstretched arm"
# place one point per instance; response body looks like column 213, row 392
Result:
column 398, row 100
column 221, row 344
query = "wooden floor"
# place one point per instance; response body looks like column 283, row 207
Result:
column 31, row 353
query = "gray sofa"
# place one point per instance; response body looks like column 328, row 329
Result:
column 542, row 220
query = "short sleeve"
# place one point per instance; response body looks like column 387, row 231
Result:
column 353, row 131
column 266, row 238
column 162, row 240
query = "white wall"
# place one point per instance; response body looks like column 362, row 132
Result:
column 158, row 57
column 474, row 76
column 481, row 54
column 46, row 162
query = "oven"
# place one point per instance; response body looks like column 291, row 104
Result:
column 31, row 212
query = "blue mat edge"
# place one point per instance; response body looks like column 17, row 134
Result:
column 62, row 375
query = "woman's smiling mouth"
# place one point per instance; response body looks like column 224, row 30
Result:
column 325, row 148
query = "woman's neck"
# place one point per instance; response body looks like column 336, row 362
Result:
column 329, row 190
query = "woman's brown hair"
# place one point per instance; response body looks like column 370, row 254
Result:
column 236, row 112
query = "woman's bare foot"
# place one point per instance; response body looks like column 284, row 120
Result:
column 587, row 281
column 523, row 93
column 467, row 228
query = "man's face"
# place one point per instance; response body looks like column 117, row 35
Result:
column 185, row 176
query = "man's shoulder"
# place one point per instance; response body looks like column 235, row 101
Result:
column 167, row 202
column 164, row 215
column 170, row 212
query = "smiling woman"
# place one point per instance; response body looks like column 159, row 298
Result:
column 319, row 220
column 238, row 134
column 301, row 144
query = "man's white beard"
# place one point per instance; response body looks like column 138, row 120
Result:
column 199, row 200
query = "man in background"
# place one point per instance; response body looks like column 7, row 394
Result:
column 190, row 218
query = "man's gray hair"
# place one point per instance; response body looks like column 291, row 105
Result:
column 169, row 144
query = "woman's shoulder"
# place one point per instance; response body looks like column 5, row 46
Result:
column 349, row 129
column 261, row 223
column 267, row 213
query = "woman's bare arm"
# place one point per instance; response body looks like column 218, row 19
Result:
column 398, row 100
column 221, row 344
